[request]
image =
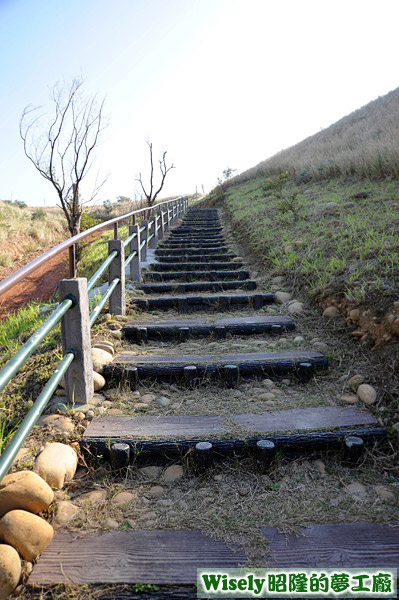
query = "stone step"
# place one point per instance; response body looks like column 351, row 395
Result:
column 172, row 557
column 195, row 275
column 228, row 368
column 141, row 331
column 199, row 286
column 170, row 244
column 220, row 302
column 292, row 431
column 194, row 266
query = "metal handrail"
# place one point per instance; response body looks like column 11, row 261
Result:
column 33, row 415
column 23, row 272
column 93, row 280
column 94, row 315
column 18, row 360
column 129, row 239
column 130, row 258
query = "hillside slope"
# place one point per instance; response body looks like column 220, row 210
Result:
column 365, row 143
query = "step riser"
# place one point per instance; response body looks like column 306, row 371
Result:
column 206, row 286
column 207, row 372
column 204, row 252
column 191, row 304
column 160, row 334
column 197, row 258
column 189, row 266
column 194, row 276
column 291, row 445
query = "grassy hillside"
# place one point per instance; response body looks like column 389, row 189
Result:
column 364, row 144
column 25, row 232
column 337, row 239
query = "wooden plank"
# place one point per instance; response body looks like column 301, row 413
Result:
column 348, row 545
column 172, row 557
column 267, row 422
column 159, row 557
column 171, row 323
column 129, row 358
column 272, row 320
column 304, row 418
column 167, row 426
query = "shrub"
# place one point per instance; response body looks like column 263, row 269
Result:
column 38, row 215
column 87, row 221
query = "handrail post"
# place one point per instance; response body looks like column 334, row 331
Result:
column 143, row 252
column 75, row 333
column 72, row 261
column 166, row 226
column 153, row 230
column 161, row 230
column 135, row 270
column 117, row 303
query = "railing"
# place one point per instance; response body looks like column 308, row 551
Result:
column 73, row 310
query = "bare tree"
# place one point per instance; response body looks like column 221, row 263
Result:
column 150, row 194
column 61, row 150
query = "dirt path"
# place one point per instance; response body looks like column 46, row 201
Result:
column 38, row 286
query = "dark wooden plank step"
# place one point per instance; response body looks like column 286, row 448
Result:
column 172, row 557
column 198, row 286
column 195, row 266
column 160, row 557
column 221, row 302
column 292, row 356
column 197, row 426
column 346, row 545
column 194, row 275
column 132, row 367
column 160, row 330
column 197, row 258
column 160, row 251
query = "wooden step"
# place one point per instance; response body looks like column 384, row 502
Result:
column 133, row 367
column 172, row 252
column 195, row 275
column 166, row 436
column 179, row 265
column 165, row 330
column 197, row 258
column 172, row 557
column 199, row 286
column 220, row 302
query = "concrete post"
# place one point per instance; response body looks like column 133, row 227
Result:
column 75, row 333
column 166, row 213
column 161, row 230
column 153, row 230
column 144, row 237
column 135, row 270
column 117, row 304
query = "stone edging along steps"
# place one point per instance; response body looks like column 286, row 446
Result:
column 171, row 556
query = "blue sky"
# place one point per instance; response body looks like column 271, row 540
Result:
column 216, row 83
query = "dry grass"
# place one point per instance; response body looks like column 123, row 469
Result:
column 365, row 143
column 27, row 230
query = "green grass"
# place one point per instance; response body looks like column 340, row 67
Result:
column 353, row 249
column 94, row 254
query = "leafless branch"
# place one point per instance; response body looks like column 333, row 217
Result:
column 62, row 149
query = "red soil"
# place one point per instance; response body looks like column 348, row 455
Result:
column 39, row 285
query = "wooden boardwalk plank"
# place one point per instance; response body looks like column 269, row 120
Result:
column 348, row 545
column 267, row 422
column 129, row 358
column 304, row 418
column 167, row 426
column 161, row 557
column 172, row 557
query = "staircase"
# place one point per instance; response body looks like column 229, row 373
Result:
column 195, row 259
